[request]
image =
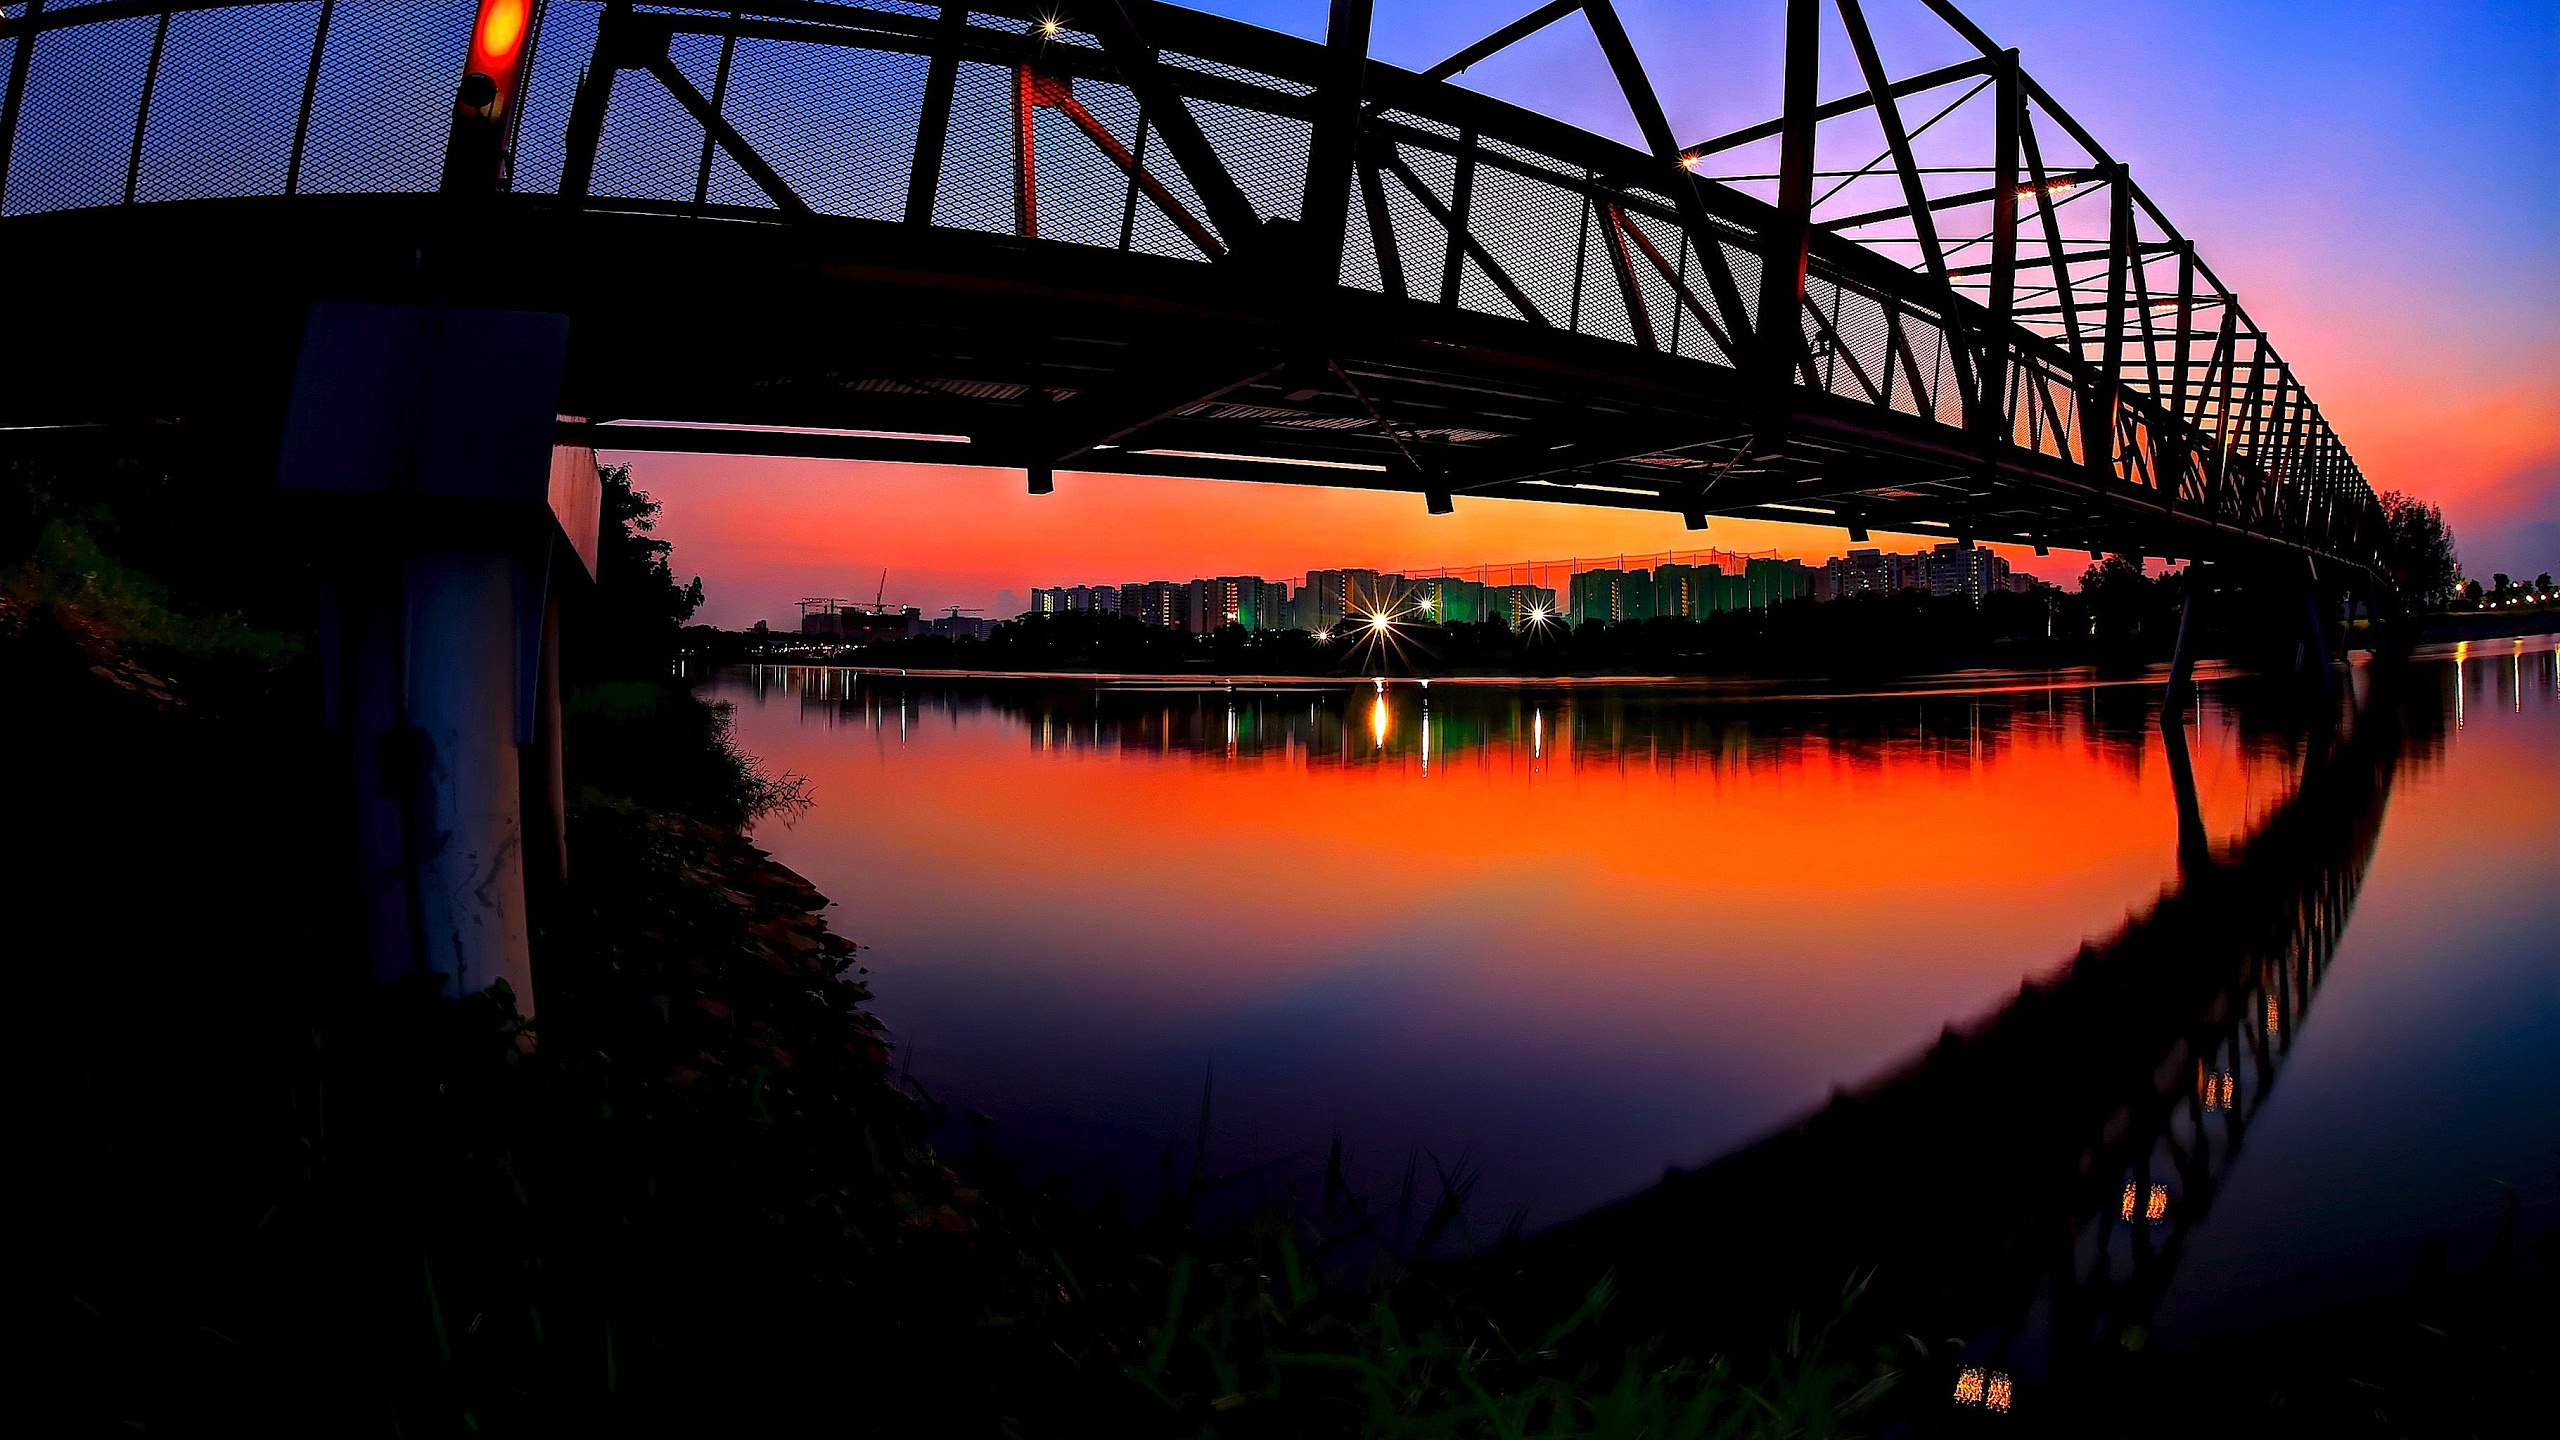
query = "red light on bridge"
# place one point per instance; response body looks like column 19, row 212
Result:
column 498, row 36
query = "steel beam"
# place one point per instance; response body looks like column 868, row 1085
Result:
column 1503, row 39
column 1990, row 417
column 1333, row 146
column 1834, row 109
column 1788, row 241
column 2098, row 402
column 1924, row 224
column 933, row 122
column 1638, row 90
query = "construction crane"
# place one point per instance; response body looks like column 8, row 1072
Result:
column 823, row 604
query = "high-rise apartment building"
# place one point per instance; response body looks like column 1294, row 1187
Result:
column 1247, row 600
column 1518, row 605
column 1164, row 603
column 1070, row 599
column 1956, row 568
column 1611, row 596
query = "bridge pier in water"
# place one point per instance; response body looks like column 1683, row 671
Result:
column 2192, row 841
column 422, row 437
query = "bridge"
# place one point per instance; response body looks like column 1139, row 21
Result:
column 1120, row 236
column 418, row 259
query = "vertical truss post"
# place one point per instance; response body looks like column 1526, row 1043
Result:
column 1382, row 231
column 2252, row 504
column 2065, row 294
column 1026, row 157
column 2098, row 408
column 1462, row 203
column 2297, row 417
column 2184, row 356
column 1324, row 205
column 301, row 117
column 2176, row 450
column 933, row 123
column 1790, row 238
column 14, row 94
column 585, row 129
column 1991, row 399
column 142, row 111
column 2226, row 361
column 719, row 97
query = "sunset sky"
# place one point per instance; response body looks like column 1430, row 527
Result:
column 2379, row 181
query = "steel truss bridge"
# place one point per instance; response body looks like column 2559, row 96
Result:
column 1120, row 236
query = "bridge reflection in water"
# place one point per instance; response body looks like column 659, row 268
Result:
column 2028, row 1184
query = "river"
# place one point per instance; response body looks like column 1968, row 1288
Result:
column 1549, row 941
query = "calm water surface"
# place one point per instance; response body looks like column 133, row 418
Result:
column 1566, row 937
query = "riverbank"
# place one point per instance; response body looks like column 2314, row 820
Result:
column 2489, row 625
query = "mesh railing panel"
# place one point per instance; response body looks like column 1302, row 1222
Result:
column 1359, row 245
column 76, row 122
column 652, row 149
column 1084, row 198
column 1696, row 341
column 1267, row 154
column 385, row 102
column 1604, row 309
column 1081, row 194
column 1672, row 324
column 1528, row 227
column 1421, row 240
column 841, row 159
column 213, row 129
column 976, row 188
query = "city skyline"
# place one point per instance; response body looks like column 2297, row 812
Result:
column 1690, row 584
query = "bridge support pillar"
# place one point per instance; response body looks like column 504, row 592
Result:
column 2315, row 637
column 2192, row 844
column 446, row 519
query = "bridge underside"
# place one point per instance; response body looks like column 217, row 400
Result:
column 862, row 340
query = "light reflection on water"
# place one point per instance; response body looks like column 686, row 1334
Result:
column 1579, row 934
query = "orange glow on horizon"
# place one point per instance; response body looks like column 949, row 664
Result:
column 763, row 532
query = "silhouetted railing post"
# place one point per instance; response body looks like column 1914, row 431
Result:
column 310, row 91
column 13, row 98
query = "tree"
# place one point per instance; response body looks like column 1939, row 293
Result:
column 637, row 607
column 2420, row 550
